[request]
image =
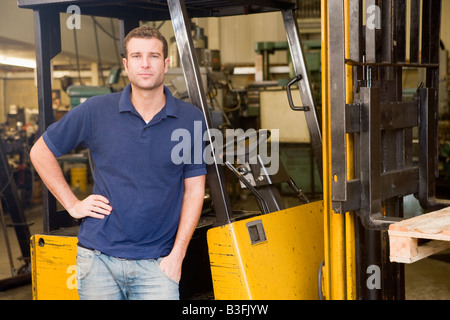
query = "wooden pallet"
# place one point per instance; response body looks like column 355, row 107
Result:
column 416, row 238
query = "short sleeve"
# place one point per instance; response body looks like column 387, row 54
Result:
column 71, row 131
column 197, row 165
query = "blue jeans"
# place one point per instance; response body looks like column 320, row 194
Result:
column 102, row 277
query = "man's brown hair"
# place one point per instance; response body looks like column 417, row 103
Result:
column 145, row 32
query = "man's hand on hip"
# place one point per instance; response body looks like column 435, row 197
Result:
column 95, row 206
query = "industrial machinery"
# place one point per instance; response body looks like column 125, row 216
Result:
column 326, row 249
column 9, row 196
column 16, row 188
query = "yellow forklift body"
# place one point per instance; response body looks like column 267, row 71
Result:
column 53, row 261
column 272, row 256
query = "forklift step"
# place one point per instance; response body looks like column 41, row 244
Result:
column 416, row 238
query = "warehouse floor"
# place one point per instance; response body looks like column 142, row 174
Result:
column 427, row 279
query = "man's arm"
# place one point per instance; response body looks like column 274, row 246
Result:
column 191, row 209
column 47, row 166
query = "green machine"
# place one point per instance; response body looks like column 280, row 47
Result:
column 79, row 93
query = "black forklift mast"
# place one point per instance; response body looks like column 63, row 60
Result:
column 381, row 123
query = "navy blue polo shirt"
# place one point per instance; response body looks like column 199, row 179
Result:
column 134, row 169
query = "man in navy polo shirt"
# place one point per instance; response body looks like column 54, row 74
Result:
column 138, row 222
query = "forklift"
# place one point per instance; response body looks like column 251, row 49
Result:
column 335, row 248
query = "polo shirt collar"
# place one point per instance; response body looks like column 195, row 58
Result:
column 171, row 106
column 170, row 109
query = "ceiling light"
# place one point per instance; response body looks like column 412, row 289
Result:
column 26, row 63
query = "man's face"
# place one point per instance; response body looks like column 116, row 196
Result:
column 145, row 64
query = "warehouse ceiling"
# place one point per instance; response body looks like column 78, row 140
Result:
column 13, row 49
column 18, row 52
column 17, row 42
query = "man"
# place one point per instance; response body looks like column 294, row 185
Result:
column 138, row 222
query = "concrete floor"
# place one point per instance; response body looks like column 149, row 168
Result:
column 428, row 279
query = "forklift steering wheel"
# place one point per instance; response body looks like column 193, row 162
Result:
column 245, row 144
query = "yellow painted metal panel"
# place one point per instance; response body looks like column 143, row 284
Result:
column 349, row 216
column 339, row 272
column 326, row 148
column 283, row 266
column 54, row 267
